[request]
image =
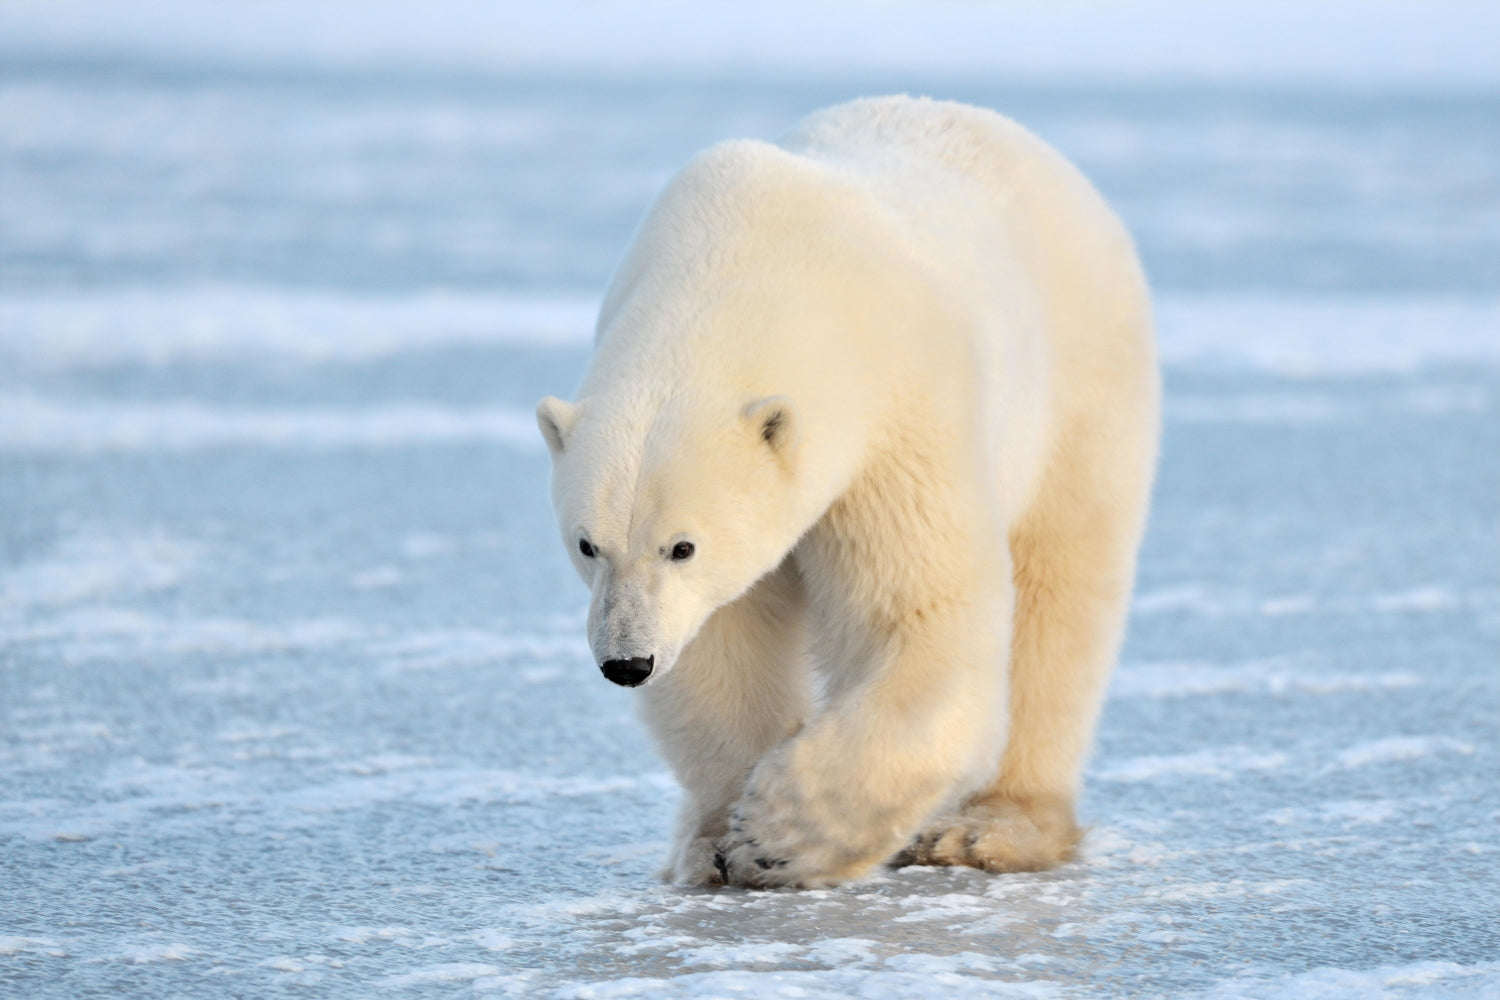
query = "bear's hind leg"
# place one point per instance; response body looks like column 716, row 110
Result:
column 1074, row 561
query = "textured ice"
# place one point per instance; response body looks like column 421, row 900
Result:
column 50, row 426
column 294, row 695
column 103, row 327
column 94, row 330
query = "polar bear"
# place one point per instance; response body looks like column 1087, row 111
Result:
column 856, row 477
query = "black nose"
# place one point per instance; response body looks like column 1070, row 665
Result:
column 629, row 673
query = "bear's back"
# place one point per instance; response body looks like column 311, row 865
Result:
column 972, row 141
column 1065, row 330
column 920, row 154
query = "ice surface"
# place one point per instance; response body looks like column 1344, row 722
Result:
column 97, row 330
column 31, row 423
column 294, row 695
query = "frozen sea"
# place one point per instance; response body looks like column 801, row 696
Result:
column 294, row 694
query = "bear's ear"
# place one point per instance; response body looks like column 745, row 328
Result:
column 555, row 417
column 774, row 421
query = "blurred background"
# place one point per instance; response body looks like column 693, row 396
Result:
column 293, row 688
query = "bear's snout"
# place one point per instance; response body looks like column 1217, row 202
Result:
column 628, row 673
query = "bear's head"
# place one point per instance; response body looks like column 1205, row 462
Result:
column 669, row 510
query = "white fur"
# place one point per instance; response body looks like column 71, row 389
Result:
column 894, row 378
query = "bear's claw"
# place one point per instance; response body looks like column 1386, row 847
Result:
column 752, row 872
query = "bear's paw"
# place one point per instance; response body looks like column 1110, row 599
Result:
column 776, row 840
column 998, row 835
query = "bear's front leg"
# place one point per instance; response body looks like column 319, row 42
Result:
column 849, row 792
column 737, row 690
column 913, row 641
column 857, row 783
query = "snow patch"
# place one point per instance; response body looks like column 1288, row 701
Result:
column 98, row 562
column 96, row 633
column 1320, row 336
column 1221, row 763
column 446, row 972
column 1181, row 680
column 446, row 648
column 12, row 945
column 1418, row 599
column 1350, row 812
column 749, row 953
column 1212, row 602
column 1287, row 408
column 946, row 906
column 148, row 326
column 1186, row 597
column 842, row 951
column 447, row 786
column 493, row 940
column 1391, row 982
column 832, row 984
column 379, row 578
column 33, row 424
column 364, row 935
column 934, row 965
column 1299, row 336
column 147, row 954
column 1401, row 748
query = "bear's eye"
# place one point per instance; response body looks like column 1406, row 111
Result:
column 588, row 550
column 682, row 550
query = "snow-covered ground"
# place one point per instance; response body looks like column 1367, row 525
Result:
column 294, row 696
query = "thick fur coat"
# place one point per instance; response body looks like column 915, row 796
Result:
column 857, row 477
